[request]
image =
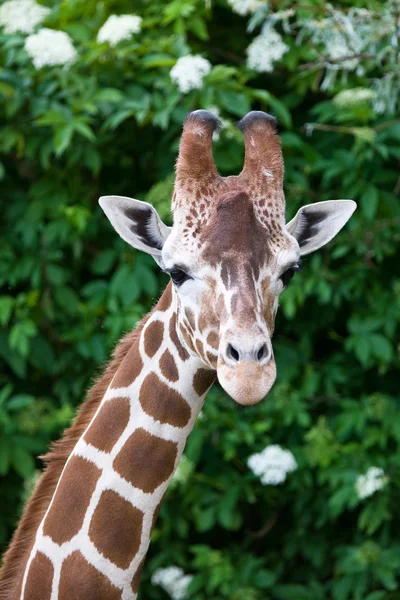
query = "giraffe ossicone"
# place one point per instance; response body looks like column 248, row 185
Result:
column 86, row 530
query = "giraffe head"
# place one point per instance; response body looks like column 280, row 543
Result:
column 230, row 252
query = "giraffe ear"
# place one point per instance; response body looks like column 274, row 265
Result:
column 316, row 224
column 137, row 223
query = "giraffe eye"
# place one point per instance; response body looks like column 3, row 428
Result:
column 288, row 274
column 179, row 276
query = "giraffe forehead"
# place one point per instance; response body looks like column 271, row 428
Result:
column 235, row 223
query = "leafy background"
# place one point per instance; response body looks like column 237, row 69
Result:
column 70, row 287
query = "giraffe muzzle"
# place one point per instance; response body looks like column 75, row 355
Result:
column 247, row 381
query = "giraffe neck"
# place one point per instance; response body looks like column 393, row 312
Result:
column 96, row 532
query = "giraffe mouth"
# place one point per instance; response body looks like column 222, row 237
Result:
column 248, row 382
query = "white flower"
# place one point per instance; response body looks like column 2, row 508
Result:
column 173, row 580
column 337, row 47
column 49, row 47
column 245, row 7
column 189, row 71
column 272, row 464
column 283, row 14
column 265, row 50
column 21, row 15
column 374, row 480
column 118, row 28
column 354, row 97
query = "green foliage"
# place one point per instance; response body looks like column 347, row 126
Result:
column 110, row 123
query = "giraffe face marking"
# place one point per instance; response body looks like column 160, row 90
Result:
column 226, row 305
column 116, row 529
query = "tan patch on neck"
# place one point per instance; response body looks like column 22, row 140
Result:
column 166, row 299
column 213, row 340
column 163, row 403
column 187, row 337
column 168, row 366
column 184, row 355
column 200, row 348
column 81, row 581
column 109, row 424
column 129, row 369
column 190, row 318
column 146, row 461
column 212, row 359
column 40, row 578
column 77, row 484
column 116, row 529
column 203, row 380
column 153, row 337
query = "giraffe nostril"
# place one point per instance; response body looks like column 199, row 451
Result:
column 262, row 352
column 232, row 352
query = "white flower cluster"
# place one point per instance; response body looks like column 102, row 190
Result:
column 353, row 97
column 49, row 48
column 189, row 71
column 345, row 37
column 373, row 480
column 246, row 7
column 118, row 28
column 265, row 50
column 387, row 94
column 173, row 580
column 272, row 464
column 21, row 15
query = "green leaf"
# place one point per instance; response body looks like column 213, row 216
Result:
column 20, row 335
column 6, row 306
column 22, row 462
column 62, row 138
column 235, row 103
column 369, row 202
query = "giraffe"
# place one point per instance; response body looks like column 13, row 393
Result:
column 86, row 530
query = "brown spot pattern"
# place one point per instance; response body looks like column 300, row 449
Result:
column 168, row 366
column 174, row 337
column 40, row 578
column 166, row 299
column 137, row 576
column 200, row 348
column 162, row 403
column 190, row 317
column 81, row 581
column 116, row 529
column 202, row 380
column 109, row 424
column 187, row 337
column 146, row 461
column 71, row 500
column 213, row 340
column 129, row 369
column 153, row 337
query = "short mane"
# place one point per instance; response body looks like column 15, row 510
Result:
column 16, row 557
